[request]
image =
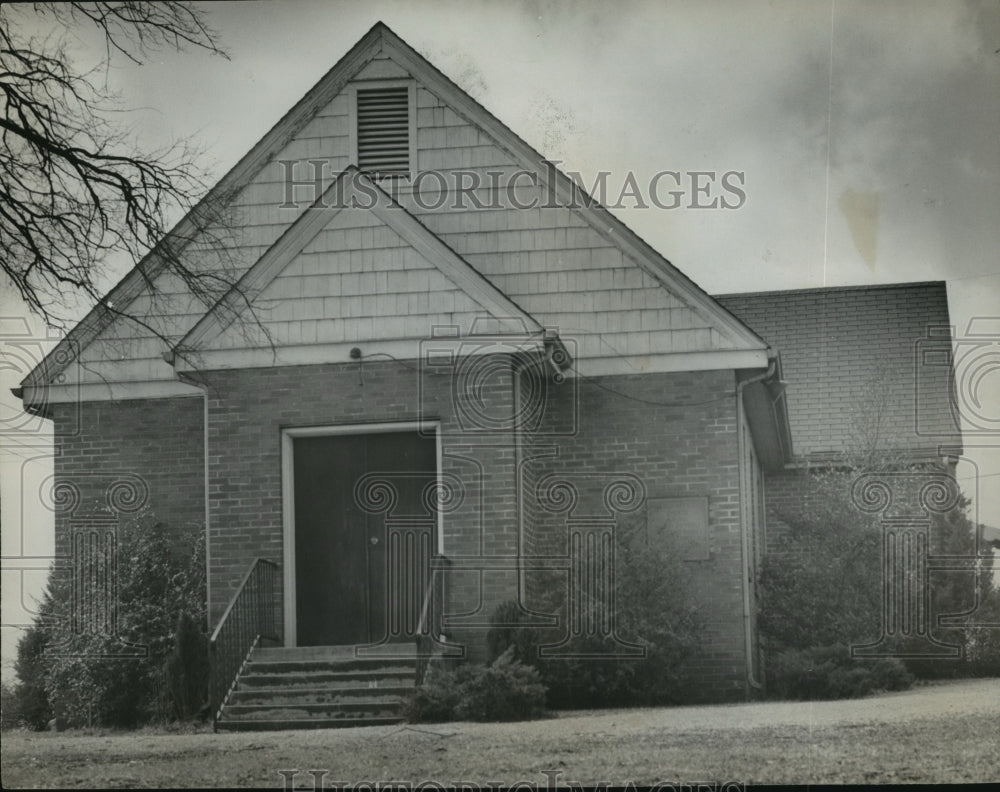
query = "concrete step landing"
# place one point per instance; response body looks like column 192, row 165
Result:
column 319, row 687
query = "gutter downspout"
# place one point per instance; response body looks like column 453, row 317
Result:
column 752, row 679
column 518, row 461
column 557, row 358
column 170, row 357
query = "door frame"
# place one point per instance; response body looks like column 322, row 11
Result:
column 288, row 436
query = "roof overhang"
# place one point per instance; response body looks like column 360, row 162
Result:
column 706, row 360
column 38, row 397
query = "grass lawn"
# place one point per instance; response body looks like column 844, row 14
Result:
column 946, row 732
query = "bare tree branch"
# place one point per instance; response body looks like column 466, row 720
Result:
column 77, row 192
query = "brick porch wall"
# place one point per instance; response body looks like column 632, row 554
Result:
column 686, row 447
column 249, row 408
column 158, row 441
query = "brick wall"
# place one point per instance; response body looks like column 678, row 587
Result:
column 248, row 410
column 153, row 443
column 675, row 432
column 683, row 449
column 678, row 434
column 849, row 354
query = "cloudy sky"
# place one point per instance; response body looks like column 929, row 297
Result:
column 868, row 135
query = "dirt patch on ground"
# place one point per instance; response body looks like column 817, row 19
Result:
column 932, row 734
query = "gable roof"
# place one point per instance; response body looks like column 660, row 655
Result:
column 872, row 360
column 186, row 229
column 380, row 39
column 346, row 189
column 569, row 193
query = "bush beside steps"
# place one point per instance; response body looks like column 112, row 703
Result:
column 505, row 690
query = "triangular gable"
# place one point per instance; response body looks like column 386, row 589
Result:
column 353, row 191
column 568, row 193
column 380, row 40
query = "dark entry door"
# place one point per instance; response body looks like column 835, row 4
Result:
column 346, row 573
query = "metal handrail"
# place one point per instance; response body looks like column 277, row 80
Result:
column 431, row 615
column 249, row 618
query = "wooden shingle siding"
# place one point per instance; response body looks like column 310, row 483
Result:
column 382, row 68
column 255, row 221
column 356, row 281
column 549, row 260
column 326, row 136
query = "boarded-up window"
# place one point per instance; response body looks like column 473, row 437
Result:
column 384, row 130
column 679, row 526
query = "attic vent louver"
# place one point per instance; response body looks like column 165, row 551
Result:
column 384, row 130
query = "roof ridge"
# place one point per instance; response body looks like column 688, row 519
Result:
column 825, row 289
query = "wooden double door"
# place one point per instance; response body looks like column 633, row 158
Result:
column 364, row 532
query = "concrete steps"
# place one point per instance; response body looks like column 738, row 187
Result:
column 321, row 687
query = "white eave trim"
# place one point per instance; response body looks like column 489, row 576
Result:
column 382, row 351
column 105, row 391
column 674, row 362
column 375, row 351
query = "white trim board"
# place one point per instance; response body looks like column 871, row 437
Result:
column 403, row 350
column 71, row 393
column 415, row 350
column 670, row 362
column 288, row 435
